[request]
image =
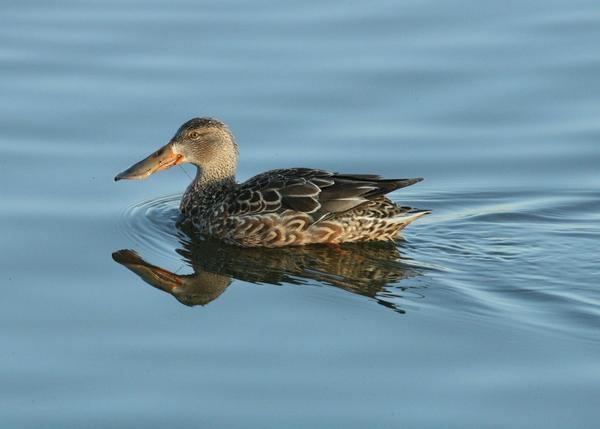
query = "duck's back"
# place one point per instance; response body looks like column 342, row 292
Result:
column 302, row 206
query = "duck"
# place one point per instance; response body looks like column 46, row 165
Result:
column 277, row 208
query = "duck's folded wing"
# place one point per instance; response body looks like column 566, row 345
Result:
column 319, row 193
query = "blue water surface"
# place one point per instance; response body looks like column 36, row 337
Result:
column 485, row 313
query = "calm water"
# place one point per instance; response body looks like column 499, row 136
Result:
column 485, row 313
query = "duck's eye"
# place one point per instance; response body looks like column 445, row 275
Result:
column 194, row 135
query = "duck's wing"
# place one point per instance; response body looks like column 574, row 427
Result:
column 319, row 193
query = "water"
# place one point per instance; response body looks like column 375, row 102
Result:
column 484, row 314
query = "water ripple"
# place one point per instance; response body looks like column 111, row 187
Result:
column 506, row 238
column 151, row 226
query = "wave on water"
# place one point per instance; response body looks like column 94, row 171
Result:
column 502, row 252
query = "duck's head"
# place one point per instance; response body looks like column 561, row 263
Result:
column 204, row 142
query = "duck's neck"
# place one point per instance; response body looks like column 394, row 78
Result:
column 208, row 177
column 207, row 188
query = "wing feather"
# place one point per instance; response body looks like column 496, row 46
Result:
column 320, row 193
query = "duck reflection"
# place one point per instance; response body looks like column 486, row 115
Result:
column 372, row 269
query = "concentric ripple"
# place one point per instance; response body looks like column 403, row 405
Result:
column 151, row 226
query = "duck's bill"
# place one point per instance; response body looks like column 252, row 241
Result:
column 162, row 159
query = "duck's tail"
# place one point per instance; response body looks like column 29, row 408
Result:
column 408, row 217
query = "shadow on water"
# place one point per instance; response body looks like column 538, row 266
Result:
column 367, row 269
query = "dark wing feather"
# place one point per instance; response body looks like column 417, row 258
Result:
column 320, row 193
column 302, row 204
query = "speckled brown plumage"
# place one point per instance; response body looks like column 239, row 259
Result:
column 285, row 207
column 299, row 206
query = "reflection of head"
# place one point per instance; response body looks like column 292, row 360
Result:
column 199, row 288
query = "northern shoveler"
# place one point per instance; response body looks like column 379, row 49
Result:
column 277, row 208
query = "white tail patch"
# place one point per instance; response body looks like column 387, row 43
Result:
column 406, row 218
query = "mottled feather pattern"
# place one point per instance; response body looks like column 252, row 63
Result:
column 297, row 206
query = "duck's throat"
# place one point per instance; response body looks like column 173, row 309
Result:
column 207, row 189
